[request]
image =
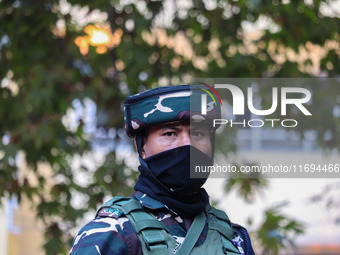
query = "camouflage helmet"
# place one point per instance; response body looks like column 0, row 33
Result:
column 169, row 104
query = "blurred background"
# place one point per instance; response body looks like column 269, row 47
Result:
column 67, row 66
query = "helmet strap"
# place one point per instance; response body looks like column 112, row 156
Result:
column 139, row 143
column 212, row 140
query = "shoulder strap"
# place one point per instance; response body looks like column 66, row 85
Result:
column 148, row 228
column 193, row 234
column 219, row 221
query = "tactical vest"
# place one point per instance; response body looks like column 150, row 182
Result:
column 156, row 239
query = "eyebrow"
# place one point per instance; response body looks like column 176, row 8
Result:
column 177, row 126
column 170, row 126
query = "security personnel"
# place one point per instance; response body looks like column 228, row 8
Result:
column 169, row 213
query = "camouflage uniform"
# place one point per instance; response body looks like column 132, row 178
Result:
column 111, row 233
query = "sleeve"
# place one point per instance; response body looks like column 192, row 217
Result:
column 101, row 236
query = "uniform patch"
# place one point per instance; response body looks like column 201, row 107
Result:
column 110, row 212
column 237, row 241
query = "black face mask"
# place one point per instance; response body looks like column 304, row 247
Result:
column 166, row 177
column 172, row 168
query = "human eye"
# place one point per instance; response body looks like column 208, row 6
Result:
column 197, row 133
column 169, row 133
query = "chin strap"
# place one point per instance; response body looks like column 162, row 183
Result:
column 212, row 140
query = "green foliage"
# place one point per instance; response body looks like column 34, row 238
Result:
column 329, row 198
column 277, row 231
column 42, row 72
column 247, row 187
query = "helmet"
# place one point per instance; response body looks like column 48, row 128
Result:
column 169, row 104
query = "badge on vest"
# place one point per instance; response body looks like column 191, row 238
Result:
column 110, row 212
